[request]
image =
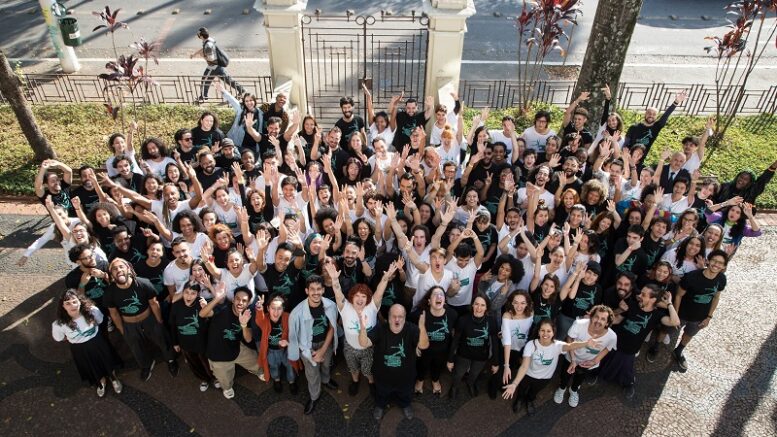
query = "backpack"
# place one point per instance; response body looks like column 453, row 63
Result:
column 221, row 58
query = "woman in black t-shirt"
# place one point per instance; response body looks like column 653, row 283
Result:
column 475, row 340
column 189, row 334
column 207, row 132
column 440, row 321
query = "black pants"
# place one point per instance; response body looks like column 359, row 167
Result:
column 462, row 310
column 529, row 387
column 220, row 72
column 402, row 394
column 431, row 362
column 138, row 334
column 495, row 382
column 462, row 365
column 575, row 379
column 199, row 365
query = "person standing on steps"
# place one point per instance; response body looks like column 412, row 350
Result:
column 312, row 337
column 217, row 65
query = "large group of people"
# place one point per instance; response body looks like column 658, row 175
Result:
column 402, row 243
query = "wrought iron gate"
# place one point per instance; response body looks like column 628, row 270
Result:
column 386, row 53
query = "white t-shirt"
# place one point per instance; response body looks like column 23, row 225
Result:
column 515, row 332
column 412, row 273
column 157, row 207
column 579, row 332
column 387, row 135
column 427, row 281
column 543, row 359
column 547, row 196
column 466, row 277
column 535, row 140
column 528, row 272
column 83, row 332
column 693, row 163
column 351, row 321
column 670, row 256
column 112, row 172
column 228, row 217
column 675, row 208
column 382, row 164
column 244, row 279
column 452, row 119
column 195, row 248
column 174, row 275
column 158, row 168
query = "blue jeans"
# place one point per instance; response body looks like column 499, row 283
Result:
column 277, row 358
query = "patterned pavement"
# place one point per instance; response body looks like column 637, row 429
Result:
column 729, row 389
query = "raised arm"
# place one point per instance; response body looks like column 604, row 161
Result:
column 572, row 106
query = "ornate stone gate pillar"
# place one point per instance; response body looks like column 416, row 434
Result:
column 284, row 38
column 447, row 25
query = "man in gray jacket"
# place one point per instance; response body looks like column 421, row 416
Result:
column 213, row 69
column 312, row 337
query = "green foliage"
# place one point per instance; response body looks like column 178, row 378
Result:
column 79, row 134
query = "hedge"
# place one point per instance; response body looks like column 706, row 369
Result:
column 79, row 135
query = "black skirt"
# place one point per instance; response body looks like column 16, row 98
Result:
column 94, row 359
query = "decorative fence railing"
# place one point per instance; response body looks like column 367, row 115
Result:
column 701, row 100
column 73, row 88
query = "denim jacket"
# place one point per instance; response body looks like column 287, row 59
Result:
column 301, row 329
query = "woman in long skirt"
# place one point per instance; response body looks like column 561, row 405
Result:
column 78, row 321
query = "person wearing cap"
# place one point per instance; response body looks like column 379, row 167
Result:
column 639, row 316
column 579, row 294
column 227, row 155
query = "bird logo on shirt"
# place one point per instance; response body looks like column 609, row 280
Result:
column 395, row 359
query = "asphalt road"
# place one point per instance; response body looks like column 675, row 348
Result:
column 669, row 35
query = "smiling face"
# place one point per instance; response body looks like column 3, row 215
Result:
column 240, row 302
column 437, row 299
column 599, row 321
column 548, row 287
column 206, row 123
column 693, row 248
column 350, row 254
column 504, row 272
column 314, row 291
column 662, row 273
column 120, row 273
column 712, row 235
column 519, row 304
column 479, row 307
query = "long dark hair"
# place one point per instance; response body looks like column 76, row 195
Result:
column 423, row 305
column 683, row 248
column 556, row 284
column 738, row 229
column 63, row 318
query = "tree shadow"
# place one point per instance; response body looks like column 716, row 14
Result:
column 753, row 386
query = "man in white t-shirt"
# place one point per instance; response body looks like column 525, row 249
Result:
column 693, row 148
column 577, row 364
column 176, row 274
column 536, row 136
column 464, row 268
column 540, row 182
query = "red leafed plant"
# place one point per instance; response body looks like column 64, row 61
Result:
column 541, row 29
column 737, row 55
column 110, row 22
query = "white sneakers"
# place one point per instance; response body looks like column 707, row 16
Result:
column 574, row 397
column 229, row 394
column 117, row 386
column 204, row 386
column 558, row 396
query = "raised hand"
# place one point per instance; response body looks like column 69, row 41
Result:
column 681, row 96
column 245, row 317
column 607, row 93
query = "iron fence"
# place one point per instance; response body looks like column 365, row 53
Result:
column 74, row 88
column 502, row 94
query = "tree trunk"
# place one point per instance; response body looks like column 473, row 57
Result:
column 606, row 52
column 11, row 90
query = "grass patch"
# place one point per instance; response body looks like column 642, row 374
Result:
column 79, row 134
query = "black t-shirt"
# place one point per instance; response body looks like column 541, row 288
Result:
column 587, row 296
column 187, row 328
column 653, row 249
column 405, row 126
column 134, row 183
column 130, row 301
column 265, row 145
column 636, row 325
column 439, row 329
column 63, row 198
column 226, row 163
column 88, row 198
column 339, row 160
column 475, row 338
column 348, row 128
column 201, row 138
column 350, row 276
column 276, row 334
column 320, row 323
column 611, row 297
column 224, row 334
column 585, row 134
column 154, row 276
column 394, row 355
column 487, row 238
column 544, row 308
column 283, row 283
column 699, row 292
column 207, row 180
column 135, row 254
column 95, row 288
column 190, row 156
column 636, row 263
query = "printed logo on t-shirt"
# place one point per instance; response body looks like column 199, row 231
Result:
column 231, row 334
column 97, row 290
column 440, row 333
column 587, row 301
column 191, row 328
column 284, row 285
column 275, row 335
column 627, row 265
column 132, row 304
column 480, row 340
column 464, row 281
column 518, row 334
column 320, row 325
column 646, row 139
column 539, row 358
column 395, row 359
column 88, row 333
column 706, row 298
column 542, row 311
column 634, row 326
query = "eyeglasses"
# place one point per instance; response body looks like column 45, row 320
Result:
column 186, row 139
